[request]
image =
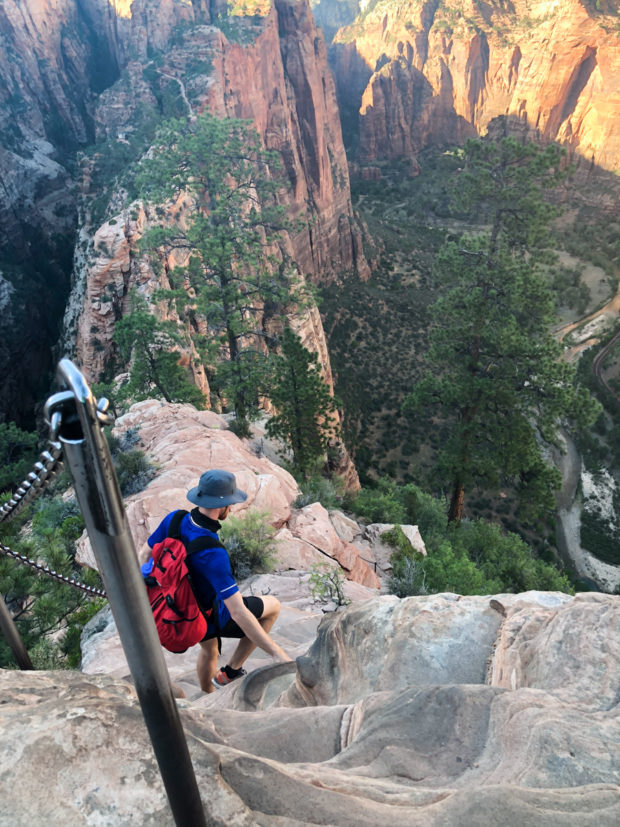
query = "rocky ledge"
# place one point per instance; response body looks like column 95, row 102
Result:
column 438, row 710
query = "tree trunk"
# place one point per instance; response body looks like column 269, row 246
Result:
column 155, row 377
column 455, row 512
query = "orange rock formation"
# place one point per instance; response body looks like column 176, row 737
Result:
column 434, row 73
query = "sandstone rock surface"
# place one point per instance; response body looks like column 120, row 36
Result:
column 402, row 712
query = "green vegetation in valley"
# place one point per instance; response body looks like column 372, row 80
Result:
column 475, row 557
column 495, row 379
column 378, row 331
column 599, row 538
column 600, row 450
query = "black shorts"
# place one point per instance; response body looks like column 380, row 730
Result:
column 254, row 604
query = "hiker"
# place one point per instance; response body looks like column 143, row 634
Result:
column 247, row 618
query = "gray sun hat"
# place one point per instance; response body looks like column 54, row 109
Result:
column 216, row 489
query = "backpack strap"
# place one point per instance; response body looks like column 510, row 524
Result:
column 201, row 544
column 174, row 529
column 198, row 544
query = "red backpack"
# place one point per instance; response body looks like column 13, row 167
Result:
column 180, row 621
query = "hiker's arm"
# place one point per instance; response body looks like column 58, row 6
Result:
column 144, row 555
column 252, row 629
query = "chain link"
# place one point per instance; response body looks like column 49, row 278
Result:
column 44, row 471
column 49, row 465
column 35, row 483
column 46, row 570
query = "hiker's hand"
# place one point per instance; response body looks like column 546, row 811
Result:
column 281, row 656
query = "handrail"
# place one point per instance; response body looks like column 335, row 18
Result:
column 76, row 420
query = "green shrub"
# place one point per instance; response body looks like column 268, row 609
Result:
column 240, row 427
column 57, row 513
column 387, row 502
column 70, row 642
column 328, row 492
column 249, row 543
column 18, row 452
column 449, row 569
column 505, row 558
column 45, row 655
column 445, row 569
column 134, row 471
column 477, row 557
column 133, row 468
column 397, row 539
column 408, row 577
column 380, row 505
column 326, row 584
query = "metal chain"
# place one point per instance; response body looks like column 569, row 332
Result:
column 46, row 570
column 35, row 484
column 36, row 481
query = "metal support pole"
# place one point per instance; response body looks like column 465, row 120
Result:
column 9, row 630
column 77, row 419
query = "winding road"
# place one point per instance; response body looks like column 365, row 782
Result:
column 592, row 572
column 597, row 366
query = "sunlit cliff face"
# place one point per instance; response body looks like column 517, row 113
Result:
column 121, row 7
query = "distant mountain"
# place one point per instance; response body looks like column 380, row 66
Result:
column 412, row 73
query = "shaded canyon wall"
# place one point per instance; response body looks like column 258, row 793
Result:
column 54, row 59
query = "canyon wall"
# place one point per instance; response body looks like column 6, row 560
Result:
column 61, row 91
column 269, row 68
column 420, row 72
column 55, row 57
column 279, row 79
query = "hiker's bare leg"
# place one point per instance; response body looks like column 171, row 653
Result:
column 245, row 647
column 206, row 665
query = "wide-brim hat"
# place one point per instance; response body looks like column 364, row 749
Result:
column 216, row 489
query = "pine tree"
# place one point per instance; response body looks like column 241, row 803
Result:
column 49, row 615
column 148, row 345
column 234, row 276
column 304, row 405
column 495, row 378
